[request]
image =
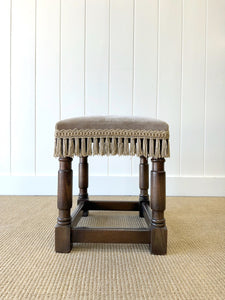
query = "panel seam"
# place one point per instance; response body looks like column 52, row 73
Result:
column 35, row 93
column 85, row 36
column 158, row 58
column 109, row 60
column 205, row 90
column 181, row 81
column 60, row 58
column 10, row 93
column 133, row 74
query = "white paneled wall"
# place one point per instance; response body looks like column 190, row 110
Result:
column 214, row 146
column 121, row 71
column 169, row 74
column 48, row 100
column 22, row 87
column 5, row 82
column 156, row 58
column 193, row 87
column 72, row 33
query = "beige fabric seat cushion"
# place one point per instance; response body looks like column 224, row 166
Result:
column 111, row 135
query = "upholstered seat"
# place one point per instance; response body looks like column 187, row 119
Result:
column 111, row 135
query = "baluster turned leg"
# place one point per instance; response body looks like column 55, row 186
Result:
column 63, row 228
column 143, row 182
column 158, row 205
column 83, row 182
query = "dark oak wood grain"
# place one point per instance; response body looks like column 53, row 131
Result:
column 83, row 183
column 111, row 235
column 64, row 203
column 143, row 183
column 67, row 232
column 113, row 205
column 158, row 205
column 77, row 214
column 147, row 214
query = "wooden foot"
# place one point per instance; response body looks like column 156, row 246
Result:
column 158, row 240
column 63, row 242
column 158, row 204
column 83, row 182
column 143, row 183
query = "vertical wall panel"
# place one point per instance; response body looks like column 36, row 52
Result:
column 47, row 82
column 72, row 58
column 192, row 145
column 145, row 62
column 215, row 92
column 121, row 71
column 145, row 58
column 169, row 75
column 96, row 84
column 121, row 57
column 5, row 87
column 97, row 43
column 23, row 87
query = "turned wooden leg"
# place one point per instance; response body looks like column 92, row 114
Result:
column 143, row 183
column 83, row 182
column 158, row 200
column 63, row 228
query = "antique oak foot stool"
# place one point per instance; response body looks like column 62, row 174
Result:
column 111, row 135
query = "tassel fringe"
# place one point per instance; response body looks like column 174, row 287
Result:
column 107, row 146
column 89, row 146
column 157, row 148
column 77, row 146
column 120, row 146
column 82, row 146
column 114, row 147
column 71, row 147
column 95, row 150
column 126, row 147
column 132, row 147
column 101, row 147
column 145, row 148
column 138, row 147
column 65, row 148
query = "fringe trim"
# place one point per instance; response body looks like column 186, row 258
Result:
column 145, row 148
column 151, row 146
column 111, row 133
column 138, row 147
column 89, row 146
column 107, row 146
column 81, row 146
column 114, row 147
column 157, row 148
column 132, row 147
column 96, row 148
column 101, row 147
column 77, row 146
column 126, row 147
column 120, row 146
column 71, row 147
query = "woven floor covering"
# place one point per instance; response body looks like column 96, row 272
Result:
column 194, row 267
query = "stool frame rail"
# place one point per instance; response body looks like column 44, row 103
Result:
column 67, row 232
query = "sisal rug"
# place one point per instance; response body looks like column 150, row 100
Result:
column 194, row 267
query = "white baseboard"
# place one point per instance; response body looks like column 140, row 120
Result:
column 112, row 185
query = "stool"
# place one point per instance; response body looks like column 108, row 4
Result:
column 111, row 135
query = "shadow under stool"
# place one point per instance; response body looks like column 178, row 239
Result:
column 111, row 135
